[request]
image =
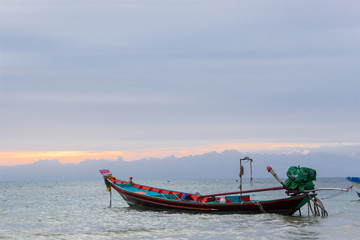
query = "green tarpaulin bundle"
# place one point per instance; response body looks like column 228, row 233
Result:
column 300, row 178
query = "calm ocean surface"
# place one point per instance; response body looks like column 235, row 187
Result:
column 80, row 210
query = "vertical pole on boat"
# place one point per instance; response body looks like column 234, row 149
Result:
column 110, row 197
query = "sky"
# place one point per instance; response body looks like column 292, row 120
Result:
column 141, row 79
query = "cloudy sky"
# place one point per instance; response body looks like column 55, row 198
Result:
column 138, row 78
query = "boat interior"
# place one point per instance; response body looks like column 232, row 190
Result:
column 176, row 195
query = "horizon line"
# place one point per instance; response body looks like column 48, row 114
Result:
column 11, row 158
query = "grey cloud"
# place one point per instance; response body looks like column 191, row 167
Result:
column 165, row 70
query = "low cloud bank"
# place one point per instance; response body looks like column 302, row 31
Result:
column 208, row 165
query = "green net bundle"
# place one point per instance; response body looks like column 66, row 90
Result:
column 300, row 178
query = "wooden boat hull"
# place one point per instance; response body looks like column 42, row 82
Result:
column 287, row 206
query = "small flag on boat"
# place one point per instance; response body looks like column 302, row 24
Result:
column 106, row 174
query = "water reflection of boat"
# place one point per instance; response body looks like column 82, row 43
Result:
column 355, row 181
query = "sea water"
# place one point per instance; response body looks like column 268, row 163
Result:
column 80, row 210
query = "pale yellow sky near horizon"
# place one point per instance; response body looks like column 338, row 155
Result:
column 28, row 157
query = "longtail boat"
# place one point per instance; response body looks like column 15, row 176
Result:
column 157, row 198
column 355, row 181
column 299, row 188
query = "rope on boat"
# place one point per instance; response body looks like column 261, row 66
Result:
column 257, row 203
column 241, row 170
column 338, row 194
column 251, row 177
column 246, row 159
column 176, row 196
column 316, row 207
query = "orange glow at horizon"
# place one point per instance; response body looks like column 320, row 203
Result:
column 27, row 157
